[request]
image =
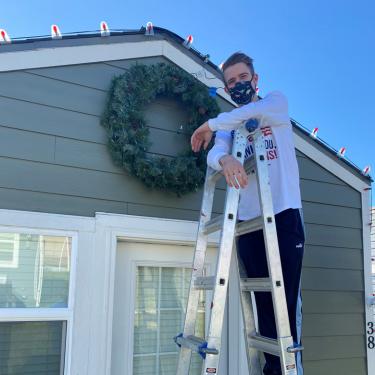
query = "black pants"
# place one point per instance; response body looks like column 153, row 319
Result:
column 251, row 252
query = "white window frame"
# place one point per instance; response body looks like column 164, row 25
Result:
column 48, row 225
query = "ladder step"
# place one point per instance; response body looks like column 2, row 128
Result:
column 264, row 344
column 195, row 344
column 256, row 284
column 249, row 226
column 214, row 224
column 205, row 282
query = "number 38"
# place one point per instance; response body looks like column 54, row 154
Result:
column 371, row 338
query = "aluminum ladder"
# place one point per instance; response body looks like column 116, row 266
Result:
column 210, row 346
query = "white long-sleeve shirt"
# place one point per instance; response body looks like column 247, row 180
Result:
column 272, row 111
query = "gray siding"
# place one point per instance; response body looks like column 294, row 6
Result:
column 53, row 158
column 332, row 277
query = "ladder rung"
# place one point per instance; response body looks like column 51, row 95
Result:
column 249, row 226
column 264, row 344
column 256, row 284
column 295, row 349
column 204, row 282
column 196, row 344
column 213, row 225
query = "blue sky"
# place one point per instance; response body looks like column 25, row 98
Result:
column 319, row 53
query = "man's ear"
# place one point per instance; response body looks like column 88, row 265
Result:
column 226, row 89
column 256, row 79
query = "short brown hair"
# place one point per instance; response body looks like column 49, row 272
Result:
column 239, row 57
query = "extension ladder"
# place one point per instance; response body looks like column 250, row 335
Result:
column 210, row 346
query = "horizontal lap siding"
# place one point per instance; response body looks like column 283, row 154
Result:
column 54, row 158
column 332, row 277
column 53, row 147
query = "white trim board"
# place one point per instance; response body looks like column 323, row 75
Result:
column 328, row 163
column 83, row 54
column 367, row 272
column 28, row 219
column 132, row 227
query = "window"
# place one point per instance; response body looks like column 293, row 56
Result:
column 40, row 276
column 161, row 296
column 32, row 348
column 34, row 282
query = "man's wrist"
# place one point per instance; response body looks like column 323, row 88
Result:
column 223, row 159
column 211, row 125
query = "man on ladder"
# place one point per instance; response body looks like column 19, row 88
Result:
column 271, row 113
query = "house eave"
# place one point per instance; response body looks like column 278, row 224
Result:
column 43, row 51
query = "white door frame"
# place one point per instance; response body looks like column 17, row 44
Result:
column 111, row 227
column 157, row 259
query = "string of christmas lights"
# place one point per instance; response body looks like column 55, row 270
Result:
column 149, row 31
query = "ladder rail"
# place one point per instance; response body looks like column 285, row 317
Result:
column 198, row 267
column 273, row 252
column 247, row 308
column 224, row 260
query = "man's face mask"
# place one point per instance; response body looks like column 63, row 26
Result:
column 242, row 93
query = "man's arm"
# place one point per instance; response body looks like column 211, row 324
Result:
column 220, row 159
column 222, row 147
column 274, row 103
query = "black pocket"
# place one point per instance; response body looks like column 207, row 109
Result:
column 290, row 221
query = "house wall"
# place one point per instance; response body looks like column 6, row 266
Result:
column 332, row 277
column 53, row 158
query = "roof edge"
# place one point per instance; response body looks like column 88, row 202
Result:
column 204, row 59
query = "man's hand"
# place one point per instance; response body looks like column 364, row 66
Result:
column 201, row 136
column 234, row 172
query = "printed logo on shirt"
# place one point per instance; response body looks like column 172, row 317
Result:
column 266, row 131
column 299, row 246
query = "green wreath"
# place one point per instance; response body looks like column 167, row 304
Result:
column 128, row 133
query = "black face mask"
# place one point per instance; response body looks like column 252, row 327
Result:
column 242, row 93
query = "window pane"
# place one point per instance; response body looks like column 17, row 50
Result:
column 172, row 288
column 145, row 332
column 170, row 326
column 6, row 256
column 168, row 364
column 161, row 296
column 34, row 270
column 33, row 348
column 147, row 291
column 145, row 365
